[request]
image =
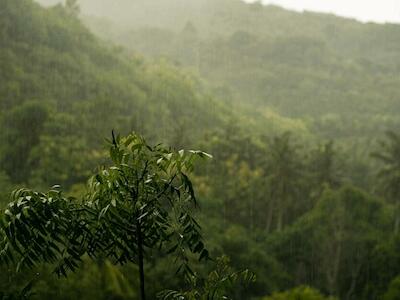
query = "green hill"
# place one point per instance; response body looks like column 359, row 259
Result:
column 60, row 83
column 338, row 73
column 80, row 88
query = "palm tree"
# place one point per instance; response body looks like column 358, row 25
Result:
column 324, row 168
column 72, row 7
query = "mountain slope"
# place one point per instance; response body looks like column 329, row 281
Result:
column 62, row 91
column 339, row 73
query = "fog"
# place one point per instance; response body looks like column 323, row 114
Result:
column 367, row 11
column 382, row 11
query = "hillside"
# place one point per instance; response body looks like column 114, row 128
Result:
column 61, row 82
column 339, row 74
column 81, row 88
column 62, row 91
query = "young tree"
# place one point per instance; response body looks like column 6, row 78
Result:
column 141, row 202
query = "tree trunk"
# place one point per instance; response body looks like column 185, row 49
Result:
column 396, row 224
column 140, row 256
column 334, row 261
column 269, row 215
column 354, row 277
column 279, row 224
column 281, row 205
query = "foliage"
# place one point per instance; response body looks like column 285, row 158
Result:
column 142, row 202
column 284, row 165
column 145, row 193
column 60, row 81
column 41, row 227
column 72, row 7
column 215, row 286
column 30, row 115
column 341, row 232
column 299, row 293
column 389, row 156
column 393, row 291
column 389, row 174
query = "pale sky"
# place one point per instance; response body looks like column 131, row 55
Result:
column 364, row 10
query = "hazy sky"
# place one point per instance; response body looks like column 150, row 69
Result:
column 364, row 10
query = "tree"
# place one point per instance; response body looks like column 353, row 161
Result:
column 284, row 172
column 341, row 233
column 143, row 201
column 72, row 7
column 65, row 159
column 389, row 173
column 324, row 169
column 324, row 166
column 22, row 127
